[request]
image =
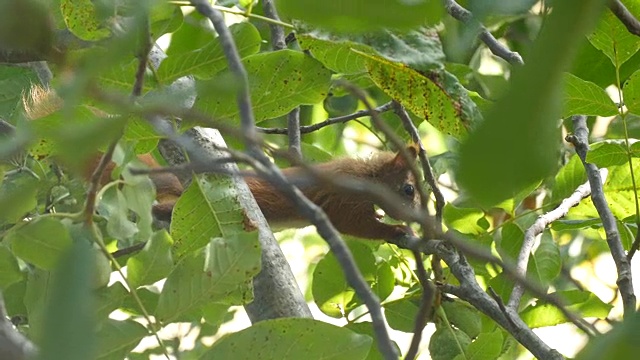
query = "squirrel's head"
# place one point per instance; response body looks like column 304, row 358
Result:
column 395, row 173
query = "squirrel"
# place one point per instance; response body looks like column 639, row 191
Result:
column 351, row 214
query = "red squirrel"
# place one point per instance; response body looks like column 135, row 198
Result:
column 351, row 214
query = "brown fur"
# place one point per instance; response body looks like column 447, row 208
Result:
column 351, row 214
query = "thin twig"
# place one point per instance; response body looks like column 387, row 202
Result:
column 336, row 120
column 293, row 128
column 426, row 306
column 427, row 170
column 625, row 16
column 536, row 229
column 247, row 119
column 580, row 139
column 501, row 305
column 142, row 55
column 278, row 43
column 466, row 17
column 94, row 185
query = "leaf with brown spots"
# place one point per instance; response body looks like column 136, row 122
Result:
column 421, row 94
column 304, row 339
column 80, row 17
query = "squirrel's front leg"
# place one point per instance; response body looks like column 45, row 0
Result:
column 366, row 225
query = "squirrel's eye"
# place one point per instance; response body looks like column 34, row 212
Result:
column 408, row 189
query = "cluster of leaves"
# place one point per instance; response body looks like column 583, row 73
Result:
column 52, row 273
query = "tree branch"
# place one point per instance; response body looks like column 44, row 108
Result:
column 466, row 17
column 336, row 120
column 536, row 229
column 625, row 16
column 426, row 307
column 13, row 345
column 471, row 292
column 580, row 139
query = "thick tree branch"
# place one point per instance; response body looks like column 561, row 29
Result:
column 471, row 292
column 536, row 229
column 203, row 147
column 466, row 17
column 580, row 139
column 625, row 16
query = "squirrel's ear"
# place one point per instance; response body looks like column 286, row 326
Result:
column 412, row 151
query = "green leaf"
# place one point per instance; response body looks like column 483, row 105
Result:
column 13, row 82
column 360, row 15
column 465, row 220
column 612, row 37
column 619, row 343
column 546, row 259
column 464, row 317
column 366, row 328
column 627, row 235
column 143, row 134
column 567, row 180
column 509, row 244
column 607, row 154
column 109, row 299
column 401, row 314
column 332, row 293
column 336, row 55
column 37, row 296
column 211, row 274
column 117, row 338
column 76, row 134
column 153, row 263
column 207, row 61
column 207, row 209
column 264, row 340
column 279, row 81
column 619, row 189
column 561, row 225
column 419, row 49
column 447, row 343
column 113, row 207
column 487, row 346
column 35, row 36
column 18, row 197
column 81, row 19
column 585, row 98
column 164, row 18
column 41, row 242
column 585, row 303
column 635, row 149
column 9, row 269
column 69, row 318
column 521, row 129
column 631, row 93
column 424, row 95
